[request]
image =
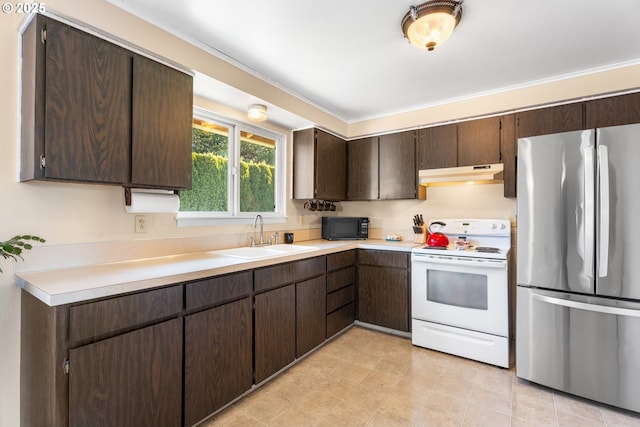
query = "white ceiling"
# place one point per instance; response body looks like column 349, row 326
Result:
column 349, row 57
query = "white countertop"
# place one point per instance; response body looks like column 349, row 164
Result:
column 69, row 285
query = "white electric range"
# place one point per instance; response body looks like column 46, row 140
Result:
column 460, row 293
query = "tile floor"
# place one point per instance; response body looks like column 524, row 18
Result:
column 369, row 378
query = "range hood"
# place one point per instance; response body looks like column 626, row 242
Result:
column 479, row 174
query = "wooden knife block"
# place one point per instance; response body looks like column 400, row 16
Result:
column 420, row 237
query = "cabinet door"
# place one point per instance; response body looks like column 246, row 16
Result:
column 340, row 319
column 383, row 258
column 479, row 142
column 330, row 167
column 544, row 121
column 613, row 111
column 87, row 96
column 398, row 166
column 93, row 321
column 218, row 358
column 509, row 149
column 362, row 181
column 275, row 331
column 383, row 296
column 162, row 115
column 134, row 379
column 291, row 272
column 340, row 260
column 436, row 147
column 304, row 142
column 311, row 312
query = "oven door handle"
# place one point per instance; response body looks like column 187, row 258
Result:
column 463, row 262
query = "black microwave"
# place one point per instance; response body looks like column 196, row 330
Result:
column 345, row 228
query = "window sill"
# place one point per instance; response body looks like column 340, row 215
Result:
column 199, row 220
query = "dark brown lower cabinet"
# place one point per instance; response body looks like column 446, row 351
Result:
column 275, row 331
column 341, row 291
column 384, row 289
column 383, row 297
column 311, row 309
column 173, row 355
column 134, row 379
column 218, row 356
column 341, row 318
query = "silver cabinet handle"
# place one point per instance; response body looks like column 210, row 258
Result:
column 603, row 184
column 589, row 208
column 587, row 307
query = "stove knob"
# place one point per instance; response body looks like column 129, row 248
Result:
column 503, row 226
column 493, row 226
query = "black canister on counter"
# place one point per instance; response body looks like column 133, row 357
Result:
column 288, row 237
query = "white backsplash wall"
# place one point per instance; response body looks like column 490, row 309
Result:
column 460, row 201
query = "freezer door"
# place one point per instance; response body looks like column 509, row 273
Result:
column 556, row 211
column 618, row 249
column 587, row 346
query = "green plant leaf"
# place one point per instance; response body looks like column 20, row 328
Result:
column 12, row 248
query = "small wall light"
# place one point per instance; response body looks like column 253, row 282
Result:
column 257, row 113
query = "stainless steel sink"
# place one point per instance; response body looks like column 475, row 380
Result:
column 259, row 252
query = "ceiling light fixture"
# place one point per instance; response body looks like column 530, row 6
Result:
column 430, row 24
column 257, row 113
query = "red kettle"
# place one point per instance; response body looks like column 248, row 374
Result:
column 436, row 239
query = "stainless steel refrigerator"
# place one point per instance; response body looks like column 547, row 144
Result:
column 578, row 263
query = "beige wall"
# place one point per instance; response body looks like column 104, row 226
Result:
column 75, row 213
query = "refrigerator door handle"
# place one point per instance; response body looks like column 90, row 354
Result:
column 589, row 212
column 603, row 184
column 618, row 311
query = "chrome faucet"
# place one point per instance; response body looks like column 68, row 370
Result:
column 261, row 242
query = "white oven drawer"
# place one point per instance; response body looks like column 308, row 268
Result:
column 460, row 342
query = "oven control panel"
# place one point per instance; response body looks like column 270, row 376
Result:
column 480, row 227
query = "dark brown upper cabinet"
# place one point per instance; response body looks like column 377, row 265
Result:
column 509, row 153
column 475, row 142
column 162, row 115
column 95, row 112
column 436, row 147
column 397, row 165
column 319, row 165
column 363, row 168
column 74, row 127
column 613, row 111
column 382, row 168
column 543, row 121
column 479, row 142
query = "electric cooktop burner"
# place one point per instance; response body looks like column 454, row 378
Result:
column 487, row 249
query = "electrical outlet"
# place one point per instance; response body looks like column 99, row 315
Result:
column 141, row 224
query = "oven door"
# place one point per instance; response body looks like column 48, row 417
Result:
column 469, row 293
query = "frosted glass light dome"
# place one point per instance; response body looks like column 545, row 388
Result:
column 430, row 24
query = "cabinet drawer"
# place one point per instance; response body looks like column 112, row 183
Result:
column 340, row 279
column 383, row 258
column 217, row 290
column 108, row 316
column 341, row 260
column 340, row 319
column 340, row 298
column 292, row 272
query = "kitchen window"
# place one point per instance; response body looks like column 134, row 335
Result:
column 238, row 172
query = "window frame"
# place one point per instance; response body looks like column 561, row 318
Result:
column 233, row 215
